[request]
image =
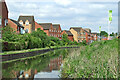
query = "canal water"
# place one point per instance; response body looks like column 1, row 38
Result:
column 48, row 65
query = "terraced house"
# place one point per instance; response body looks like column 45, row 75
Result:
column 56, row 31
column 70, row 35
column 51, row 29
column 94, row 36
column 80, row 34
column 47, row 27
column 28, row 23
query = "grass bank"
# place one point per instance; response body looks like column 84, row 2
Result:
column 36, row 49
column 98, row 60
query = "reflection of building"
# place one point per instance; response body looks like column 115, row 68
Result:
column 3, row 13
column 15, row 25
column 70, row 35
column 28, row 23
column 25, row 74
column 55, row 63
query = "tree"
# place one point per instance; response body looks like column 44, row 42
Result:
column 8, row 34
column 104, row 34
column 42, row 35
column 65, row 39
column 112, row 34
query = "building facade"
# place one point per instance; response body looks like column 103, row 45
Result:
column 15, row 25
column 28, row 23
column 94, row 36
column 70, row 35
column 3, row 14
column 46, row 27
column 56, row 31
column 38, row 26
column 79, row 34
column 51, row 29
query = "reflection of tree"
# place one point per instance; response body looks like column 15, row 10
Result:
column 36, row 64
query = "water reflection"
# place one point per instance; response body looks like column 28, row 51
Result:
column 46, row 66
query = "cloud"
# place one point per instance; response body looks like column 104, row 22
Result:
column 97, row 6
column 63, row 2
column 86, row 15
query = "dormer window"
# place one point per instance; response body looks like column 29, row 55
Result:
column 26, row 23
column 21, row 23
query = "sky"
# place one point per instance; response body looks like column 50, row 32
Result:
column 68, row 13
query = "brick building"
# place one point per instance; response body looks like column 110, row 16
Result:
column 3, row 14
column 80, row 34
column 47, row 27
column 56, row 31
column 70, row 35
column 94, row 36
column 38, row 26
column 51, row 29
column 15, row 25
column 28, row 23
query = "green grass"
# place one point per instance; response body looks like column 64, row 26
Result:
column 36, row 49
column 98, row 60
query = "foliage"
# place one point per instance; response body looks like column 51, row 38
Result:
column 104, row 34
column 37, row 39
column 97, row 60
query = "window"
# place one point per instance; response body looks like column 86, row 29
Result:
column 0, row 21
column 21, row 23
column 6, row 21
column 26, row 31
column 26, row 23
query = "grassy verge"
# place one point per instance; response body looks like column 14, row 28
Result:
column 98, row 60
column 30, row 50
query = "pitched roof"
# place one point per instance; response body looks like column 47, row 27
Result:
column 46, row 26
column 69, row 33
column 24, row 18
column 78, row 29
column 17, row 23
column 94, row 33
column 56, row 26
column 88, row 30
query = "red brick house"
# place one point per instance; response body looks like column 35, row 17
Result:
column 70, row 35
column 47, row 27
column 56, row 31
column 38, row 26
column 3, row 14
column 15, row 25
column 94, row 36
column 51, row 29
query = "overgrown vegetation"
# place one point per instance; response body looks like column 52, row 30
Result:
column 37, row 39
column 98, row 60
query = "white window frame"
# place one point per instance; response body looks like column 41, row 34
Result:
column 26, row 23
column 21, row 23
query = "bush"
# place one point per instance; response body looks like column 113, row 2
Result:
column 11, row 46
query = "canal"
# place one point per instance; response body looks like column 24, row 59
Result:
column 48, row 65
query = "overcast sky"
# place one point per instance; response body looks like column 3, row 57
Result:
column 68, row 13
